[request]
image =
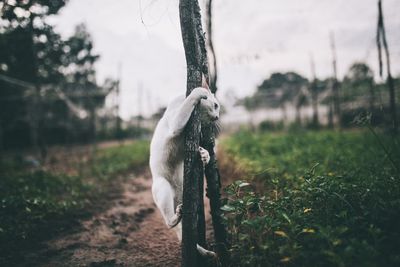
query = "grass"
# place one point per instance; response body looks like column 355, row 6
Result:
column 121, row 158
column 314, row 199
column 36, row 204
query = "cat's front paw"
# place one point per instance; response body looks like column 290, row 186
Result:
column 204, row 155
column 199, row 93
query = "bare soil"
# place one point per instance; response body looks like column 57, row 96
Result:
column 130, row 232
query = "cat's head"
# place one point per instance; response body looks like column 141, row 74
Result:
column 209, row 108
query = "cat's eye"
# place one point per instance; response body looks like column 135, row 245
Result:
column 215, row 105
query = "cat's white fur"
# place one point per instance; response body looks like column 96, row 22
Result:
column 167, row 154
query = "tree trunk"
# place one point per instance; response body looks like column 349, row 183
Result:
column 336, row 103
column 314, row 92
column 193, row 39
column 381, row 37
column 214, row 194
column 284, row 112
column 201, row 220
column 315, row 110
column 314, row 99
column 211, row 170
column 298, row 115
column 335, row 85
column 193, row 223
column 330, row 116
column 210, row 43
column 392, row 103
column 1, row 139
column 93, row 137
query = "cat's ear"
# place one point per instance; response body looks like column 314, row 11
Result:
column 204, row 83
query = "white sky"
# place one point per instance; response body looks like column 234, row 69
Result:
column 253, row 38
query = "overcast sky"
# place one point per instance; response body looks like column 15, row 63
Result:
column 253, row 38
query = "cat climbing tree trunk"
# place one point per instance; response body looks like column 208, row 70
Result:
column 193, row 225
column 196, row 60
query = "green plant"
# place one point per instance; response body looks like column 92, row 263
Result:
column 34, row 205
column 313, row 199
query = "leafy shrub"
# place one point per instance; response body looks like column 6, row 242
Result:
column 340, row 212
column 29, row 201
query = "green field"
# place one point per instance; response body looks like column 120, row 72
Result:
column 314, row 199
column 35, row 204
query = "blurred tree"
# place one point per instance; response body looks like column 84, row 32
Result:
column 53, row 79
column 314, row 91
column 300, row 101
column 360, row 79
column 22, row 27
column 291, row 81
column 277, row 91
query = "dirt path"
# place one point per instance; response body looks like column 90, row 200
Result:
column 130, row 233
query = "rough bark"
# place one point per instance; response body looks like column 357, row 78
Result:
column 192, row 36
column 211, row 170
column 214, row 194
column 210, row 44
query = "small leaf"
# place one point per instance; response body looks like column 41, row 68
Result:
column 244, row 184
column 337, row 242
column 286, row 217
column 285, row 259
column 308, row 230
column 281, row 233
column 307, row 210
column 227, row 208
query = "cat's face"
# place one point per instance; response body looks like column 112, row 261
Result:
column 209, row 108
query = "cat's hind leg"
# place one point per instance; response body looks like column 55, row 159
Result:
column 163, row 195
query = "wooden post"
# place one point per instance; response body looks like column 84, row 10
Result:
column 193, row 40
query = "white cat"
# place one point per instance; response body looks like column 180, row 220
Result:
column 167, row 154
